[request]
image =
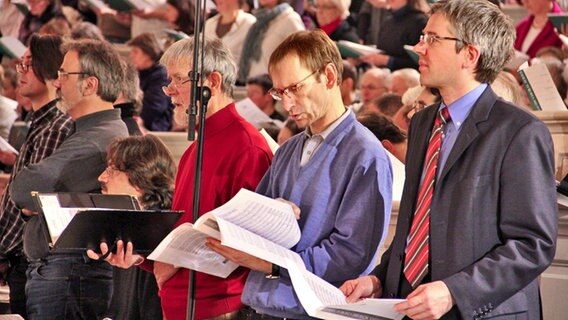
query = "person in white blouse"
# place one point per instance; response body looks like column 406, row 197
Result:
column 231, row 25
column 274, row 22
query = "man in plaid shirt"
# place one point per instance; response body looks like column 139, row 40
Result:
column 49, row 128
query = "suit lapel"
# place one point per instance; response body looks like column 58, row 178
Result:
column 479, row 113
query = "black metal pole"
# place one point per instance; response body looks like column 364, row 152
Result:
column 201, row 94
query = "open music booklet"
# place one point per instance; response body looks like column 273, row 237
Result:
column 265, row 228
column 249, row 220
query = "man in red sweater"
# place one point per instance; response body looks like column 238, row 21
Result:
column 235, row 156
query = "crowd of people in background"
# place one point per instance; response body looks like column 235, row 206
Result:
column 46, row 112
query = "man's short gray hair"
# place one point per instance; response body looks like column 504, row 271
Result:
column 99, row 59
column 216, row 58
column 484, row 25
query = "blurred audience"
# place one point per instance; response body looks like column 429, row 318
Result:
column 275, row 21
column 157, row 110
column 258, row 91
column 403, row 79
column 536, row 31
column 231, row 25
column 391, row 136
column 331, row 16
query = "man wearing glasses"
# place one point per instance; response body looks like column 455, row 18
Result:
column 337, row 173
column 478, row 216
column 235, row 156
column 71, row 286
column 48, row 129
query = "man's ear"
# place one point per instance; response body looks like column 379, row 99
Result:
column 387, row 145
column 330, row 73
column 472, row 54
column 90, row 86
column 215, row 82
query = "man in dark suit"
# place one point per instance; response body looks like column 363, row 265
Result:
column 489, row 227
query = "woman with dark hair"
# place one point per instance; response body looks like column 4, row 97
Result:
column 41, row 12
column 401, row 25
column 157, row 110
column 141, row 166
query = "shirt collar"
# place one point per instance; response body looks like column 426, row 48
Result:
column 325, row 133
column 460, row 109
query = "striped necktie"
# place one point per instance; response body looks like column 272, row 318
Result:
column 417, row 250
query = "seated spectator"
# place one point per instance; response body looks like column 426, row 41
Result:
column 390, row 135
column 173, row 14
column 388, row 104
column 41, row 12
column 143, row 167
column 289, row 130
column 331, row 16
column 157, row 110
column 402, row 79
column 536, row 31
column 374, row 83
column 348, row 84
column 86, row 30
column 257, row 91
column 129, row 99
column 274, row 22
column 402, row 25
column 370, row 16
column 58, row 27
column 507, row 87
column 551, row 52
column 10, row 19
column 231, row 25
column 414, row 100
column 10, row 83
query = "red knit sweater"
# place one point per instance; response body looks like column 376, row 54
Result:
column 235, row 156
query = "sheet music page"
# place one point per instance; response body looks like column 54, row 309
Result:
column 241, row 239
column 56, row 217
column 6, row 147
column 312, row 291
column 271, row 219
column 273, row 145
column 185, row 247
column 252, row 113
column 371, row 309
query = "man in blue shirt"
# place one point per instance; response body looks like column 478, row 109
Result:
column 336, row 172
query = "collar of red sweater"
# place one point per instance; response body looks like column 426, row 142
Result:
column 221, row 119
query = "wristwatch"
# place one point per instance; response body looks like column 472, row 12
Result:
column 275, row 274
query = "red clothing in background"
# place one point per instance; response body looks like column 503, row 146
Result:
column 235, row 156
column 546, row 38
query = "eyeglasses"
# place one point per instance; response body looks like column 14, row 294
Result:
column 429, row 39
column 22, row 67
column 293, row 89
column 111, row 170
column 175, row 84
column 64, row 75
column 417, row 106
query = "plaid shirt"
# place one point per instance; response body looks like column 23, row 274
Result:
column 49, row 128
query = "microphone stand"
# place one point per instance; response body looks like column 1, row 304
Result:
column 198, row 94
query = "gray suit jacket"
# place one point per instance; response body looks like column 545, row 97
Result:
column 493, row 214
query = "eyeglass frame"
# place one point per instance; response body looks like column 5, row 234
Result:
column 278, row 94
column 111, row 170
column 23, row 67
column 424, row 38
column 168, row 88
column 61, row 74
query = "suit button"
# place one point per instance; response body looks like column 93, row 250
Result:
column 391, row 295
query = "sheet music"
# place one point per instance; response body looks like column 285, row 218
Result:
column 6, row 147
column 273, row 220
column 185, row 247
column 252, row 113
